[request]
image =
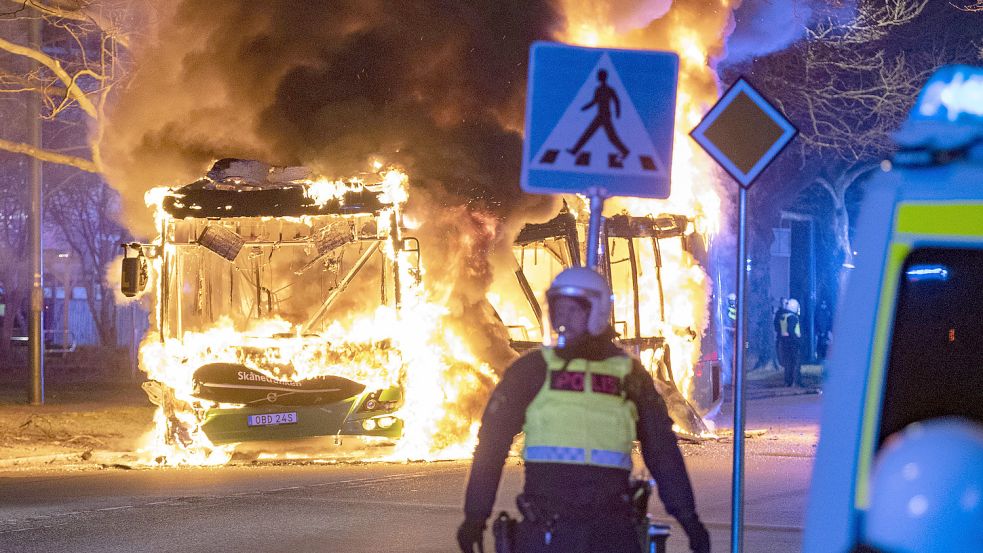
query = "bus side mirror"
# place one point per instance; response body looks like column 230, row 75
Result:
column 133, row 277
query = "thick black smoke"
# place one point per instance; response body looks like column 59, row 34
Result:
column 435, row 87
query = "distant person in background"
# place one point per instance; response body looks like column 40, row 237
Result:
column 730, row 332
column 20, row 321
column 789, row 338
column 824, row 329
column 777, row 322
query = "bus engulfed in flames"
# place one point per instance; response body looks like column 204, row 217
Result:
column 289, row 307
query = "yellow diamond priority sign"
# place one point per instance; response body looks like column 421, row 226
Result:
column 743, row 132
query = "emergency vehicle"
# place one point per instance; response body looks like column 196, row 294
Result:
column 909, row 330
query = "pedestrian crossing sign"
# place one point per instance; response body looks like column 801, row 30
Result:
column 599, row 119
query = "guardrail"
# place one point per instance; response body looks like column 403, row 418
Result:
column 55, row 341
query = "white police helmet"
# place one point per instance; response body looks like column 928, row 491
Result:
column 585, row 284
column 792, row 305
column 927, row 490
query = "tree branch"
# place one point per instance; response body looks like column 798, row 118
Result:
column 854, row 173
column 79, row 14
column 871, row 23
column 15, row 84
column 826, row 185
column 977, row 7
column 73, row 90
column 49, row 156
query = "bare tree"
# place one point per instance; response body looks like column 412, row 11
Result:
column 76, row 68
column 850, row 95
column 874, row 20
column 847, row 86
column 84, row 211
column 72, row 71
column 14, row 278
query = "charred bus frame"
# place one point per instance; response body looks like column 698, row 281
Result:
column 226, row 220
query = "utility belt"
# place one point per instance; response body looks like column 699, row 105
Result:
column 549, row 514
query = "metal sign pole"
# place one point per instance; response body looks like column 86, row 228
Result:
column 719, row 135
column 737, row 497
column 35, row 317
column 597, row 196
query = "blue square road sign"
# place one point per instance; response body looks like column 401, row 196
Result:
column 599, row 119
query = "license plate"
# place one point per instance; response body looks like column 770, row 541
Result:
column 271, row 419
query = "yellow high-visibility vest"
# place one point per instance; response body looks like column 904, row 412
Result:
column 784, row 325
column 582, row 414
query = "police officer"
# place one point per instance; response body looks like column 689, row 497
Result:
column 824, row 328
column 777, row 323
column 789, row 338
column 730, row 334
column 581, row 404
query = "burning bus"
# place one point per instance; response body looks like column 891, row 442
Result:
column 258, row 272
column 637, row 253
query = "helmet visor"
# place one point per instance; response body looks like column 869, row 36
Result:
column 573, row 292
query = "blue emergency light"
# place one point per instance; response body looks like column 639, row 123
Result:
column 917, row 273
column 948, row 116
column 953, row 94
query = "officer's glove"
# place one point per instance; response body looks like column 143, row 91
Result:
column 470, row 535
column 699, row 538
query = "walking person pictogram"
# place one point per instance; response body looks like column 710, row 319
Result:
column 604, row 96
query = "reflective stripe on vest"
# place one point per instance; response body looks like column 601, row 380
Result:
column 554, row 454
column 581, row 415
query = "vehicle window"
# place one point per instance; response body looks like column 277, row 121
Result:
column 936, row 358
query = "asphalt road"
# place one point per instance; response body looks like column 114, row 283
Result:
column 411, row 507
